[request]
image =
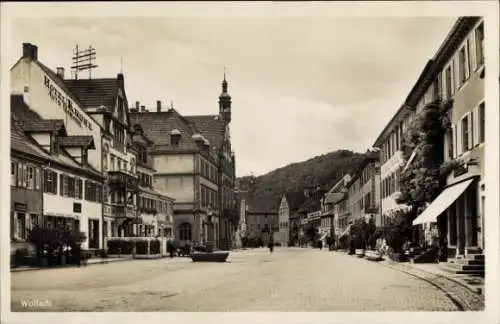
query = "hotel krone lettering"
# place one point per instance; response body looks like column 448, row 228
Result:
column 66, row 103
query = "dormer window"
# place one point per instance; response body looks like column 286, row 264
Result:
column 175, row 136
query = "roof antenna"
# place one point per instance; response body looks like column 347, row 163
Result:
column 121, row 64
column 171, row 104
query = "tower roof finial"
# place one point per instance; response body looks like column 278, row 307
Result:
column 224, row 73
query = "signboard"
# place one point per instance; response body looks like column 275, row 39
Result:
column 66, row 103
column 20, row 207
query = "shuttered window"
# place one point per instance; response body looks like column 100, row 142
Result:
column 454, row 143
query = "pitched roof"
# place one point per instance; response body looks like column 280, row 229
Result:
column 295, row 200
column 78, row 141
column 212, row 127
column 258, row 204
column 21, row 143
column 157, row 127
column 44, row 125
column 95, row 92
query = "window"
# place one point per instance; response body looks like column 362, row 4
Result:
column 93, row 191
column 112, row 163
column 50, row 181
column 185, row 232
column 449, row 140
column 462, row 64
column 479, row 37
column 71, row 187
column 465, row 134
column 38, row 179
column 448, row 80
column 481, row 123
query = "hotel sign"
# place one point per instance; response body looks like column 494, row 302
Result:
column 66, row 104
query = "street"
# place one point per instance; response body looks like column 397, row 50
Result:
column 291, row 279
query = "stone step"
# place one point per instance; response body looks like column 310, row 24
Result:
column 474, row 257
column 463, row 266
column 455, row 269
column 469, row 262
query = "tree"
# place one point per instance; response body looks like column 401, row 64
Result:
column 422, row 180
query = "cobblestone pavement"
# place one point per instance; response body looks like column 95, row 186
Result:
column 464, row 297
column 291, row 279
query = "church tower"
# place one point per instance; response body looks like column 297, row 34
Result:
column 225, row 102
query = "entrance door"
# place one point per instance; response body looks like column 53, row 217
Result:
column 461, row 224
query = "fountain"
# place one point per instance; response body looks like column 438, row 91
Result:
column 209, row 255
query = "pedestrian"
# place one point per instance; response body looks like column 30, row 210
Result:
column 170, row 248
column 320, row 243
column 270, row 244
column 78, row 255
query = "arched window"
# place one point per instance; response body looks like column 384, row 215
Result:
column 105, row 151
column 185, row 232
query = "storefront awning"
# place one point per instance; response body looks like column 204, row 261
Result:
column 441, row 203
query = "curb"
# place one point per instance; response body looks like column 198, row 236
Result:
column 460, row 303
column 477, row 290
column 14, row 270
column 462, row 306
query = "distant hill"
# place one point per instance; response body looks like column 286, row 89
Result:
column 324, row 171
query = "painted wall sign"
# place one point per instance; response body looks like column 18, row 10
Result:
column 66, row 103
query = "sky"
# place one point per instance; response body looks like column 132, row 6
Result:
column 300, row 86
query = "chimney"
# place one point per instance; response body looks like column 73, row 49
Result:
column 158, row 105
column 143, row 108
column 30, row 51
column 137, row 105
column 60, row 72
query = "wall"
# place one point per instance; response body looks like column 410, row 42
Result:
column 180, row 187
column 56, row 205
column 180, row 163
column 26, row 75
column 42, row 139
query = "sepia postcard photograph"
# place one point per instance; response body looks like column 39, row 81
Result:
column 290, row 162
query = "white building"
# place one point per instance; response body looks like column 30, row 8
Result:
column 45, row 93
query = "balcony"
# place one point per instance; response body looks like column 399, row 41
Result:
column 370, row 209
column 123, row 211
column 122, row 179
column 148, row 210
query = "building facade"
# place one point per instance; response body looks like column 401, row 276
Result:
column 45, row 93
column 63, row 176
column 155, row 208
column 195, row 163
column 282, row 236
column 458, row 212
column 454, row 74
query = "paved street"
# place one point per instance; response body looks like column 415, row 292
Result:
column 292, row 279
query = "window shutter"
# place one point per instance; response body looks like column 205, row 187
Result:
column 45, row 180
column 475, row 126
column 25, row 176
column 471, row 130
column 459, row 137
column 54, row 182
column 454, row 140
column 80, row 185
column 61, row 187
column 37, row 179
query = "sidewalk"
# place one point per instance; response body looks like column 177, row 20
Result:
column 91, row 261
column 474, row 284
